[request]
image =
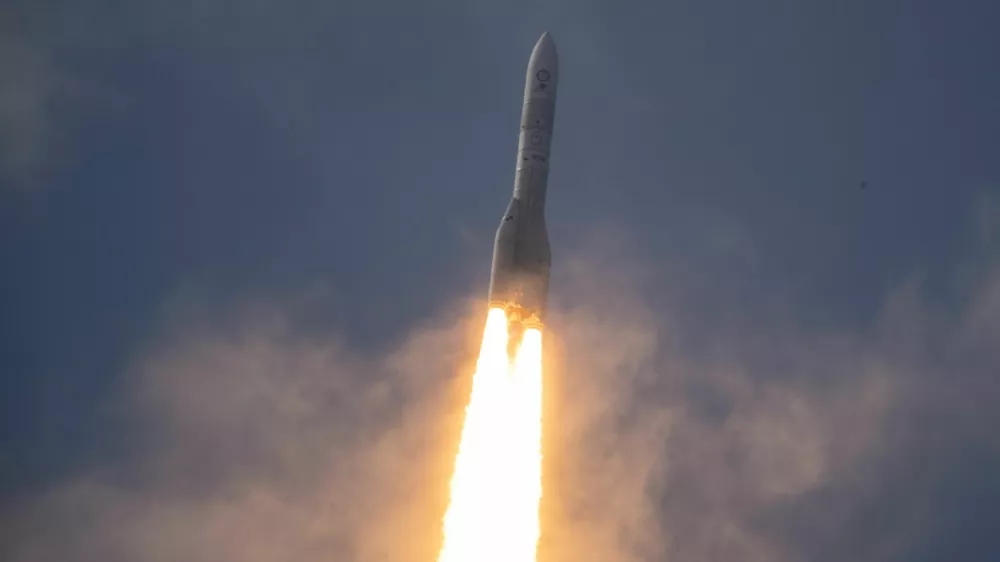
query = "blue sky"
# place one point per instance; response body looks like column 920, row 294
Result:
column 775, row 238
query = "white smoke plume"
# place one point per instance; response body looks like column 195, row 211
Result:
column 259, row 441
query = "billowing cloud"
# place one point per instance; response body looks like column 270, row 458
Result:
column 258, row 440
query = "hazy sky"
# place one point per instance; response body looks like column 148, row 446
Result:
column 776, row 267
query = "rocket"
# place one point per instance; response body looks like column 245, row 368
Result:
column 519, row 279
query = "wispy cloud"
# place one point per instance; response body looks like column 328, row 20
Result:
column 43, row 100
column 30, row 85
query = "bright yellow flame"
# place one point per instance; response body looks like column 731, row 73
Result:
column 497, row 485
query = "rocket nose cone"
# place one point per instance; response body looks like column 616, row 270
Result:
column 545, row 47
column 543, row 70
column 544, row 55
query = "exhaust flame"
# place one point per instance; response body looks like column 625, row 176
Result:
column 497, row 484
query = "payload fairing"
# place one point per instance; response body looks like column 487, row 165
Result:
column 519, row 280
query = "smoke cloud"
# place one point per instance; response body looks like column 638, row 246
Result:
column 259, row 440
